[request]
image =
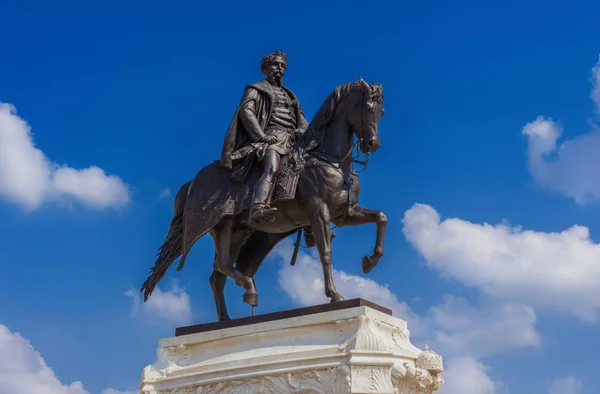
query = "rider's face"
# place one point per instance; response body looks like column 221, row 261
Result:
column 276, row 69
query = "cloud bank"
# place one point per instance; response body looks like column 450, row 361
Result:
column 545, row 270
column 569, row 168
column 28, row 178
column 172, row 306
column 568, row 385
column 23, row 370
column 467, row 375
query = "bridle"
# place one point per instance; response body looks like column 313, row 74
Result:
column 361, row 140
column 357, row 144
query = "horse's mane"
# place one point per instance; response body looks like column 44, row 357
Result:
column 314, row 131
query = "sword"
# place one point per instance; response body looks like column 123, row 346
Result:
column 296, row 247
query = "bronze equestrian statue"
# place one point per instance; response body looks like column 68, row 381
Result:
column 314, row 185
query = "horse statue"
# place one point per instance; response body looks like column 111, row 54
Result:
column 315, row 186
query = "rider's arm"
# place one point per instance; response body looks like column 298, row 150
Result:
column 302, row 123
column 248, row 115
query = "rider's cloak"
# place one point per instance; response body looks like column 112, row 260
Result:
column 238, row 136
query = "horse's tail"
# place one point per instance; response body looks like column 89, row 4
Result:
column 171, row 248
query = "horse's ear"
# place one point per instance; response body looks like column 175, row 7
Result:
column 365, row 85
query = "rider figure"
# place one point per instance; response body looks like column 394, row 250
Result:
column 272, row 119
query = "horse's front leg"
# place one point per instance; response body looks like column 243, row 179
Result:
column 320, row 223
column 359, row 216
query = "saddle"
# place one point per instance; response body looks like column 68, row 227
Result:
column 286, row 179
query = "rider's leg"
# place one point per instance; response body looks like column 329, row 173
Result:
column 271, row 163
column 262, row 190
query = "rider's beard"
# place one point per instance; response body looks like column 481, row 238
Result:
column 277, row 77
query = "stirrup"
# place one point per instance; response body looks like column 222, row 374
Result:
column 260, row 212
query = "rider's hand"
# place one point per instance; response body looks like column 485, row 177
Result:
column 270, row 139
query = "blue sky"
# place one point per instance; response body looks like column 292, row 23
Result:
column 490, row 144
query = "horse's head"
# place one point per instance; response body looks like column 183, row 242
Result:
column 364, row 119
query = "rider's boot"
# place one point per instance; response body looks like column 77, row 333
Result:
column 309, row 237
column 260, row 209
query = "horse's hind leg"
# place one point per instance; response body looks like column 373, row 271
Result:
column 248, row 256
column 217, row 284
column 225, row 242
column 218, row 280
column 256, row 248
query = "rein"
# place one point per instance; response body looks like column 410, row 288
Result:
column 331, row 158
column 334, row 159
column 361, row 162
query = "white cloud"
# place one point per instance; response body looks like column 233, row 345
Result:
column 568, row 385
column 571, row 167
column 304, row 284
column 462, row 329
column 595, row 95
column 559, row 270
column 165, row 193
column 467, row 375
column 28, row 178
column 573, row 171
column 23, row 370
column 172, row 306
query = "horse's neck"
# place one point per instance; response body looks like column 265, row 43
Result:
column 337, row 140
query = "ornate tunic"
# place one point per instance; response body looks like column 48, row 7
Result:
column 282, row 122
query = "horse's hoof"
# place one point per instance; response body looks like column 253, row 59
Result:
column 368, row 264
column 250, row 298
column 337, row 298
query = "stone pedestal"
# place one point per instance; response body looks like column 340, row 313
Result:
column 348, row 347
